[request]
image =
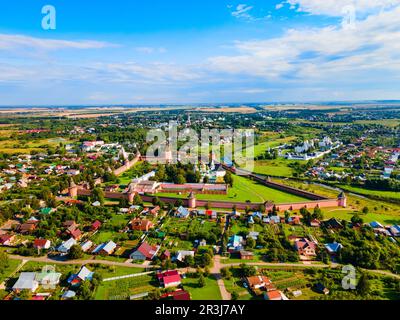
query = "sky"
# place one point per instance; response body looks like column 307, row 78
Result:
column 161, row 52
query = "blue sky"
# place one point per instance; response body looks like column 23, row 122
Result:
column 155, row 51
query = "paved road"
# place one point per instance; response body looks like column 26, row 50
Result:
column 80, row 262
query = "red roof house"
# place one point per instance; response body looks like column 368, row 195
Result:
column 96, row 225
column 145, row 252
column 169, row 278
column 41, row 244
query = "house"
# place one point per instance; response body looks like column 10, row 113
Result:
column 320, row 288
column 235, row 243
column 145, row 252
column 66, row 245
column 47, row 211
column 253, row 234
column 84, row 274
column 95, row 226
column 395, row 230
column 273, row 295
column 70, row 223
column 96, row 204
column 27, row 228
column 333, row 248
column 332, row 224
column 246, row 255
column 86, row 246
column 141, row 225
column 178, row 295
column 69, row 294
column 7, row 240
column 295, row 220
column 41, row 244
column 376, row 225
column 76, row 233
column 182, row 213
column 49, row 279
column 315, row 223
column 181, row 295
column 166, row 255
column 258, row 283
column 169, row 279
column 105, row 249
column 180, row 256
column 305, row 247
column 26, row 281
column 257, row 215
column 154, row 212
column 211, row 214
column 272, row 220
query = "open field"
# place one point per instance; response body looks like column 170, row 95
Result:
column 378, row 210
column 368, row 192
column 209, row 292
column 16, row 146
column 124, row 288
column 277, row 168
column 245, row 190
column 243, row 109
column 12, row 265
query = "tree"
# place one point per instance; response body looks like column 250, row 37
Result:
column 98, row 195
column 85, row 291
column 25, row 295
column 250, row 243
column 180, row 179
column 155, row 294
column 137, row 200
column 317, row 214
column 234, row 295
column 202, row 281
column 75, row 252
column 364, row 285
column 189, row 261
column 4, row 262
column 228, row 179
column 356, row 219
column 226, row 273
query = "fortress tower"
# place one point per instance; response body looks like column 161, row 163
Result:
column 342, row 200
column 72, row 189
column 192, row 201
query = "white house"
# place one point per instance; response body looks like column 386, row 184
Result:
column 181, row 255
column 66, row 245
column 26, row 281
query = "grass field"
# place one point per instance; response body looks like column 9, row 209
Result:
column 124, row 288
column 15, row 146
column 12, row 265
column 245, row 190
column 209, row 292
column 277, row 168
column 384, row 212
column 368, row 192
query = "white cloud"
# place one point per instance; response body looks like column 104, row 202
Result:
column 150, row 50
column 335, row 7
column 320, row 53
column 279, row 6
column 11, row 42
column 242, row 11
